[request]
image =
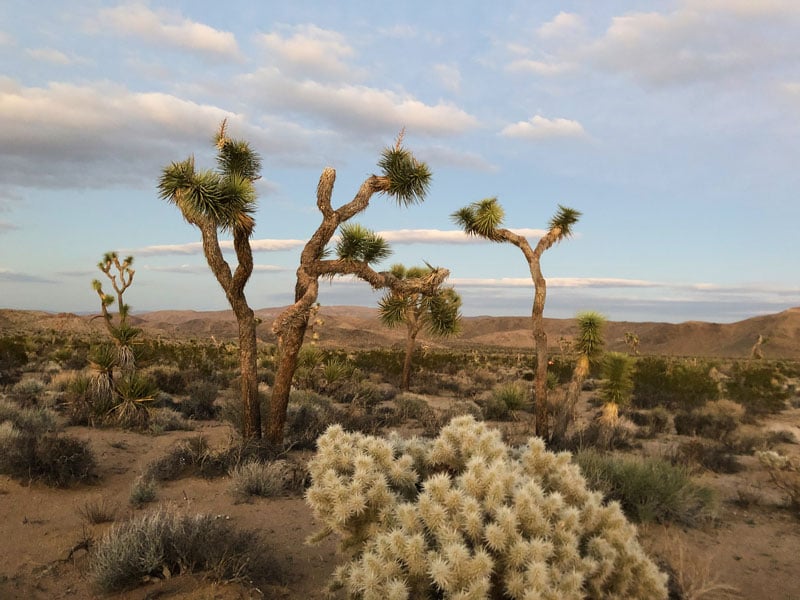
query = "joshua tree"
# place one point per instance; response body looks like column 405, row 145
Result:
column 122, row 334
column 437, row 313
column 632, row 340
column 756, row 351
column 224, row 200
column 484, row 219
column 404, row 179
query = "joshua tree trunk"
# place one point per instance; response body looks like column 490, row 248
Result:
column 411, row 342
column 233, row 285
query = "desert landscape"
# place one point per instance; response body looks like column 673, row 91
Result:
column 700, row 404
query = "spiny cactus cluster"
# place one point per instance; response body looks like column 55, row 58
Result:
column 464, row 516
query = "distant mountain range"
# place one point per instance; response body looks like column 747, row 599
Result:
column 359, row 327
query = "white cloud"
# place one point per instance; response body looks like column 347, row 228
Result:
column 49, row 55
column 357, row 107
column 6, row 226
column 540, row 128
column 264, row 245
column 540, row 67
column 311, row 51
column 562, row 25
column 448, row 76
column 557, row 282
column 170, row 29
column 15, row 277
column 700, row 41
column 203, row 269
column 438, row 236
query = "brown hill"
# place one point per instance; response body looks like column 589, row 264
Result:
column 358, row 327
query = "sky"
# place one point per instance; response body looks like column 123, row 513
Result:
column 674, row 127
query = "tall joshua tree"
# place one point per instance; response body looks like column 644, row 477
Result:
column 484, row 219
column 437, row 312
column 402, row 178
column 224, row 200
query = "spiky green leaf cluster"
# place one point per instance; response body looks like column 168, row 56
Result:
column 617, row 384
column 409, row 179
column 465, row 516
column 358, row 243
column 590, row 334
column 563, row 220
column 225, row 197
column 481, row 219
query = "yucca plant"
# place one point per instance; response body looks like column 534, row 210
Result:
column 136, row 394
column 617, row 386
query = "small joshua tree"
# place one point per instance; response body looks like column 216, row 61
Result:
column 404, row 179
column 122, row 334
column 436, row 312
column 464, row 516
column 484, row 219
column 124, row 399
column 632, row 341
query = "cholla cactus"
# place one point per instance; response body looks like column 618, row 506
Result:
column 464, row 516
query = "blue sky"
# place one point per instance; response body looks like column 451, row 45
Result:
column 673, row 126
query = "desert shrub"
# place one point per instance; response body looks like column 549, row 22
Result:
column 13, row 357
column 191, row 456
column 709, row 455
column 651, row 422
column 200, row 401
column 98, row 511
column 716, row 420
column 256, row 478
column 562, row 368
column 165, row 419
column 503, row 401
column 465, row 516
column 661, row 382
column 165, row 543
column 230, row 410
column 55, row 459
column 412, row 406
column 648, row 489
column 600, row 435
column 143, row 491
column 170, row 380
column 28, row 392
column 759, row 388
column 784, row 472
column 307, row 416
column 33, row 421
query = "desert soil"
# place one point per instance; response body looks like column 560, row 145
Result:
column 755, row 549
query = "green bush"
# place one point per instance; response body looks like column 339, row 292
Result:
column 465, row 516
column 759, row 388
column 652, row 422
column 13, row 357
column 165, row 543
column 504, row 400
column 672, row 384
column 200, row 401
column 648, row 489
column 716, row 420
column 710, row 455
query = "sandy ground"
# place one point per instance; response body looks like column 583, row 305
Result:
column 754, row 549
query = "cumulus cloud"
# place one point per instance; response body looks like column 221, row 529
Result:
column 264, row 245
column 357, row 108
column 700, row 41
column 563, row 24
column 540, row 67
column 169, row 29
column 49, row 55
column 540, row 128
column 308, row 50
